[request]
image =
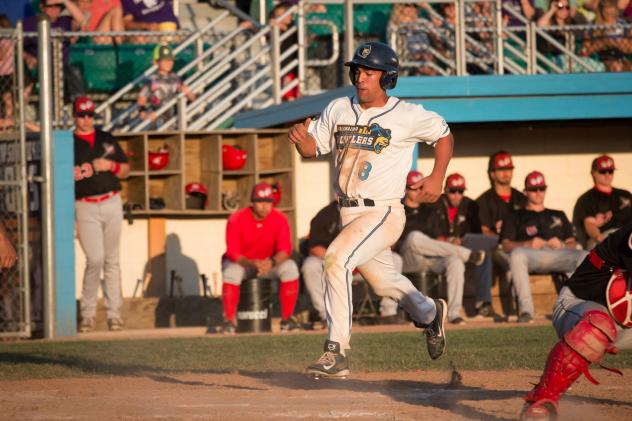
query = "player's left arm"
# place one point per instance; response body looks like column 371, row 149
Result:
column 431, row 186
column 119, row 165
column 570, row 240
column 283, row 242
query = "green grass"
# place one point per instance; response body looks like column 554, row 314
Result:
column 474, row 349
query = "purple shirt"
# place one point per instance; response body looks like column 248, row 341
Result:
column 149, row 11
column 514, row 21
column 62, row 24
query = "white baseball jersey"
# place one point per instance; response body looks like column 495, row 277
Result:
column 373, row 148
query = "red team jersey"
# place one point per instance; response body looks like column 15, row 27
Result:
column 254, row 239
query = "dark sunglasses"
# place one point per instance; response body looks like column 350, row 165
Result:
column 83, row 115
column 561, row 5
column 459, row 191
column 602, row 172
column 535, row 189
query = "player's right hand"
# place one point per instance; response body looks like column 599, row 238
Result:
column 538, row 243
column 298, row 133
column 430, row 188
column 8, row 256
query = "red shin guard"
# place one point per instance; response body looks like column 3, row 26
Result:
column 586, row 343
column 288, row 294
column 230, row 299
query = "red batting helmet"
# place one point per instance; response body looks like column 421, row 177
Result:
column 233, row 157
column 159, row 159
column 619, row 297
column 196, row 196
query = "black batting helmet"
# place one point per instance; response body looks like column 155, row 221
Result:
column 378, row 56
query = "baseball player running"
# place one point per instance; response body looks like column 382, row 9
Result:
column 371, row 137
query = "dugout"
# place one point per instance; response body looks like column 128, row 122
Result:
column 553, row 123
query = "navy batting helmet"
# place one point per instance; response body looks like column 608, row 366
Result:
column 378, row 56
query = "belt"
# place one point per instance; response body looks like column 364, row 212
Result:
column 352, row 203
column 98, row 199
column 598, row 262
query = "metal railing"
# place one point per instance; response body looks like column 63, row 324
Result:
column 239, row 69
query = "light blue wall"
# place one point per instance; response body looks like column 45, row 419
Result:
column 476, row 99
column 64, row 217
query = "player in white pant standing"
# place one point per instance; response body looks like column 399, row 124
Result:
column 372, row 137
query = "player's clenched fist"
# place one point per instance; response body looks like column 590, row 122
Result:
column 430, row 188
column 298, row 133
column 299, row 136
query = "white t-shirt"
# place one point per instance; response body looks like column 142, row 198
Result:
column 373, row 149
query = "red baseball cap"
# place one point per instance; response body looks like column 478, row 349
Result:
column 603, row 162
column 83, row 104
column 262, row 192
column 534, row 179
column 413, row 177
column 501, row 160
column 455, row 181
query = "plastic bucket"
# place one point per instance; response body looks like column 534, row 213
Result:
column 254, row 310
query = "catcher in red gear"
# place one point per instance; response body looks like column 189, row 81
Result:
column 592, row 317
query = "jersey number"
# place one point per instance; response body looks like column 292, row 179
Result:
column 365, row 169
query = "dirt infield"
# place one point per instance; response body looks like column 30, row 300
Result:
column 293, row 396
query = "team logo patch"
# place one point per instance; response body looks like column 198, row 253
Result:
column 557, row 222
column 625, row 203
column 531, row 230
column 371, row 138
column 365, row 51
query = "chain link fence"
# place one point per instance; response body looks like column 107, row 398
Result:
column 20, row 311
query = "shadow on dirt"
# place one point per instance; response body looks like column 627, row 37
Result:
column 444, row 396
column 173, row 380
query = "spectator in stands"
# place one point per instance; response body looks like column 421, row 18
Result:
column 286, row 24
column 102, row 16
column 559, row 15
column 455, row 219
column 615, row 61
column 324, row 228
column 494, row 204
column 161, row 87
column 523, row 7
column 7, row 57
column 258, row 243
column 613, row 42
column 412, row 32
column 542, row 6
column 73, row 79
column 602, row 209
column 420, row 252
column 538, row 240
column 154, row 15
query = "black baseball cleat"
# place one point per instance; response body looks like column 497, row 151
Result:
column 435, row 332
column 290, row 325
column 331, row 364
